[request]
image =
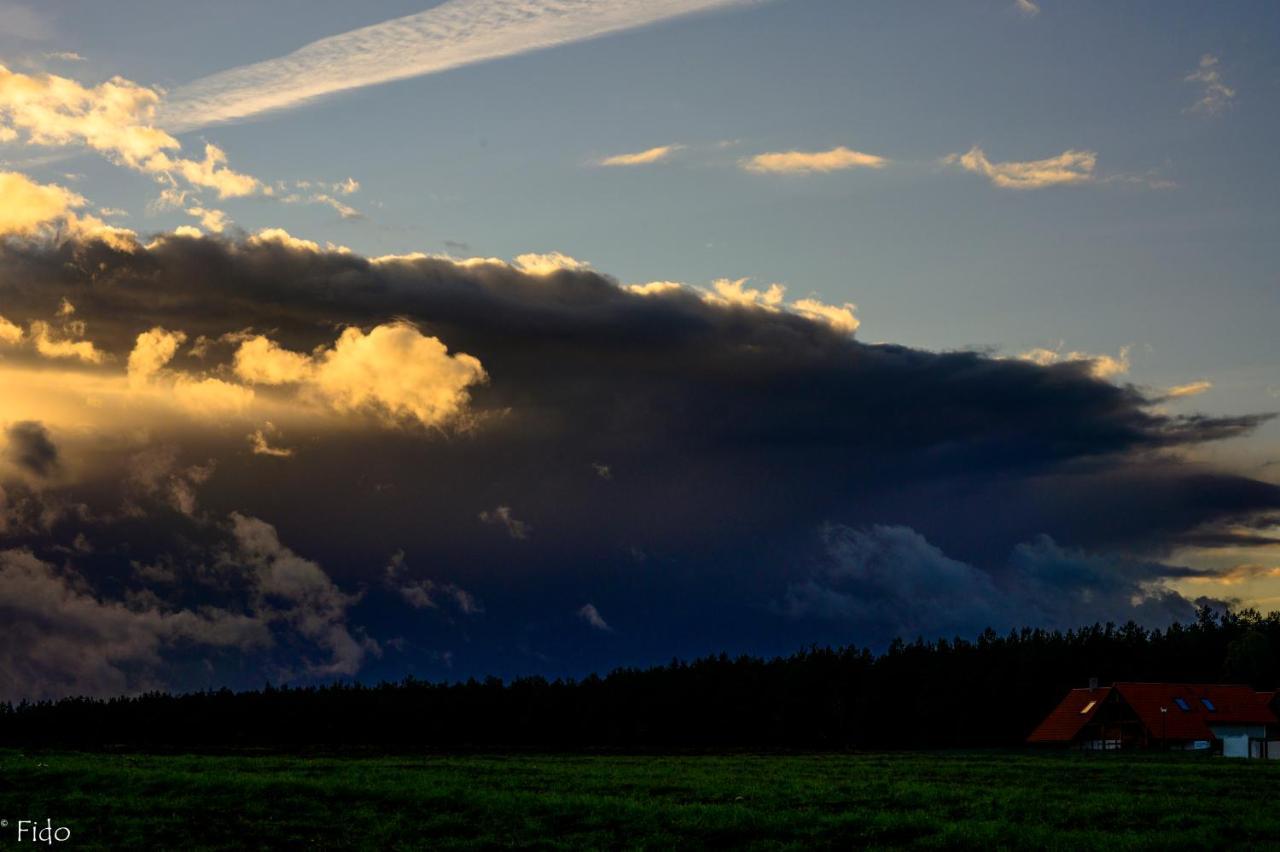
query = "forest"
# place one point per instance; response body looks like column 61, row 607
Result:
column 960, row 693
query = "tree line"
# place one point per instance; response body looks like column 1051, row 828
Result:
column 989, row 691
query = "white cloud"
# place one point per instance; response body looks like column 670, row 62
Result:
column 1215, row 94
column 591, row 615
column 642, row 158
column 806, row 162
column 1069, row 167
column 450, row 35
column 1027, row 7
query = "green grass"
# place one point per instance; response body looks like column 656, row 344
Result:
column 950, row 800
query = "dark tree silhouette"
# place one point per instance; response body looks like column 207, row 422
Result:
column 990, row 691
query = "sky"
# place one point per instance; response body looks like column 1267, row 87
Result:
column 363, row 340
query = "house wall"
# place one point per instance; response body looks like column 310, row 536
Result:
column 1235, row 738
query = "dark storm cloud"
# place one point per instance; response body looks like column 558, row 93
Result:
column 31, row 448
column 732, row 436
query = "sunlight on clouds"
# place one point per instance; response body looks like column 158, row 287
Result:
column 215, row 220
column 27, row 207
column 394, row 371
column 1069, row 167
column 654, row 288
column 259, row 360
column 1100, row 366
column 839, row 317
column 1189, row 389
column 546, row 264
column 735, row 292
column 10, row 334
column 804, row 162
column 51, row 347
column 642, row 158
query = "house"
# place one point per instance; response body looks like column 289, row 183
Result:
column 1235, row 719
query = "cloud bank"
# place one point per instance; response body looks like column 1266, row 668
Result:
column 217, row 493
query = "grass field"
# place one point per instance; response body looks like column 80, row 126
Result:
column 951, row 800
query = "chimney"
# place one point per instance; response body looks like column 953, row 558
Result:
column 1093, row 684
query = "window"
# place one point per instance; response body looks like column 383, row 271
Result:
column 1182, row 705
column 1208, row 705
column 1088, row 707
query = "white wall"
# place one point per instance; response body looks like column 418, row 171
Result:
column 1235, row 738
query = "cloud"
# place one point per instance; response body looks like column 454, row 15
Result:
column 1027, row 7
column 31, row 448
column 61, row 638
column 296, row 591
column 454, row 34
column 501, row 516
column 1068, row 168
column 115, row 118
column 892, row 580
column 425, row 593
column 394, row 371
column 260, row 443
column 642, row 158
column 735, row 292
column 736, row 427
column 151, row 352
column 1189, row 389
column 591, row 616
column 549, row 263
column 1215, row 95
column 215, row 221
column 807, row 162
column 33, row 210
column 1099, row 366
column 11, row 334
column 51, row 346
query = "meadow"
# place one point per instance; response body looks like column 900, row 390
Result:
column 755, row 801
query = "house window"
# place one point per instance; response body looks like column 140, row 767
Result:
column 1208, row 705
column 1088, row 707
column 1182, row 705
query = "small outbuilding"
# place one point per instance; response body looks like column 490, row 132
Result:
column 1236, row 720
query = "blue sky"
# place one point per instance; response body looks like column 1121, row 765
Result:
column 1160, row 253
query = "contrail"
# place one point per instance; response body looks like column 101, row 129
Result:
column 453, row 34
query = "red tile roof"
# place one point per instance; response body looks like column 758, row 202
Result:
column 1235, row 704
column 1231, row 704
column 1066, row 720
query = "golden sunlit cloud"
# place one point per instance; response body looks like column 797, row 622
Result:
column 1069, row 167
column 1189, row 389
column 393, row 371
column 805, row 162
column 642, row 158
column 546, row 264
column 1100, row 366
column 115, row 118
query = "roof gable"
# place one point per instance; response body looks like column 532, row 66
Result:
column 1070, row 716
